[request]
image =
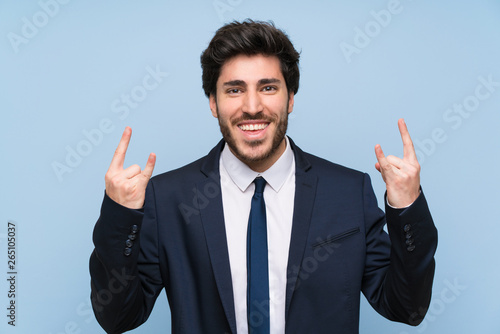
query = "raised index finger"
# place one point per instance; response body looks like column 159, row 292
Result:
column 121, row 150
column 408, row 149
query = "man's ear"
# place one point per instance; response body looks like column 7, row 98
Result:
column 213, row 105
column 290, row 101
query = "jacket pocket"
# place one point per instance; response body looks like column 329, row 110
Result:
column 337, row 237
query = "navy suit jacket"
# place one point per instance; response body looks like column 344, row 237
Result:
column 338, row 249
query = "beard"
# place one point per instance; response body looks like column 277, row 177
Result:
column 278, row 137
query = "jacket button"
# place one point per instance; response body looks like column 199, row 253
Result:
column 409, row 242
column 411, row 248
column 408, row 235
column 132, row 236
column 134, row 229
column 127, row 251
column 129, row 243
column 407, row 227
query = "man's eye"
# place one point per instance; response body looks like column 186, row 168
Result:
column 269, row 88
column 233, row 91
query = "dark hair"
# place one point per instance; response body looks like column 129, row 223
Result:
column 250, row 38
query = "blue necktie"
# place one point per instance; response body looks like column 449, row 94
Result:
column 257, row 267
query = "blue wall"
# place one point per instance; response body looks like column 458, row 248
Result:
column 67, row 68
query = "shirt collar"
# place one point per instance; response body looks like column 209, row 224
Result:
column 243, row 176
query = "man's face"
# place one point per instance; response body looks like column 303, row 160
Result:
column 252, row 104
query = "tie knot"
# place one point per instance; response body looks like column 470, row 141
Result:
column 260, row 183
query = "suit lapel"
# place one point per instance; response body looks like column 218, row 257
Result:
column 212, row 217
column 305, row 192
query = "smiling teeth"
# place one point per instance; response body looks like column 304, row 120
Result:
column 252, row 127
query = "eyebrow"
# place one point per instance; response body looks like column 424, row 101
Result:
column 265, row 81
column 269, row 81
column 234, row 83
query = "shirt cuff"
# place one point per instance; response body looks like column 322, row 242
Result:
column 404, row 207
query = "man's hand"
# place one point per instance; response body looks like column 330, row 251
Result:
column 401, row 176
column 128, row 186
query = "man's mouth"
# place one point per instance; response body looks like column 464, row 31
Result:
column 253, row 126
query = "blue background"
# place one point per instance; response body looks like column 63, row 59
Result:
column 65, row 65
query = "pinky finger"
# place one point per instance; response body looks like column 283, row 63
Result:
column 150, row 165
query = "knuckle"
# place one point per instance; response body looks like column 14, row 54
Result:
column 414, row 170
column 128, row 187
column 115, row 182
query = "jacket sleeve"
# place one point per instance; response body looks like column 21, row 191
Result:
column 124, row 266
column 399, row 270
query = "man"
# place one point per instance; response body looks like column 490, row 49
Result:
column 314, row 239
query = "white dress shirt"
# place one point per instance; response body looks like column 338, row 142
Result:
column 279, row 193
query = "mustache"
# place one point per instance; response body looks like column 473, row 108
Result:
column 256, row 117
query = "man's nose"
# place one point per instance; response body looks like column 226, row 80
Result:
column 252, row 103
